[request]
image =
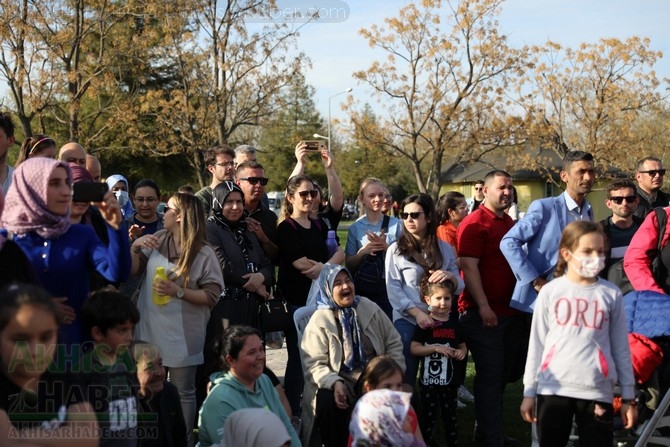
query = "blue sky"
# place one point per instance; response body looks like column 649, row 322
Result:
column 337, row 50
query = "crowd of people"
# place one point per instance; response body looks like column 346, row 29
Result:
column 128, row 322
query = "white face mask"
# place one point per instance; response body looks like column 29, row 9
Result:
column 588, row 266
column 122, row 197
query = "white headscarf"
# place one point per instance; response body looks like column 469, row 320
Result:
column 378, row 419
column 122, row 196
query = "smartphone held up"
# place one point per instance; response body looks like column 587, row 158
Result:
column 315, row 145
column 89, row 191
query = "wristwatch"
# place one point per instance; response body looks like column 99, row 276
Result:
column 180, row 293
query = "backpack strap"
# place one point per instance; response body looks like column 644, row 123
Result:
column 385, row 222
column 292, row 222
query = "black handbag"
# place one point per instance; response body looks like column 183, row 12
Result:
column 274, row 315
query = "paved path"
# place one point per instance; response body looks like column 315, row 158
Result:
column 276, row 359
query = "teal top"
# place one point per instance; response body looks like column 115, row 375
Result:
column 229, row 395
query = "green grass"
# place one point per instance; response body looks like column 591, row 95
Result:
column 513, row 425
column 342, row 235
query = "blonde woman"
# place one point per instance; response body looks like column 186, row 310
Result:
column 369, row 238
column 194, row 284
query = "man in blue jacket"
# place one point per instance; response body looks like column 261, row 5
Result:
column 531, row 246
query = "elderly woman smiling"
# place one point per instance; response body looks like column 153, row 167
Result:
column 344, row 333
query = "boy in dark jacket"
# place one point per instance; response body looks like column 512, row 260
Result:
column 108, row 370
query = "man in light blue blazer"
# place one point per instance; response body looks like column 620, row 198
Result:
column 531, row 246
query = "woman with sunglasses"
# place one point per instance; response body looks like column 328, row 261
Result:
column 36, row 146
column 417, row 252
column 302, row 254
column 194, row 283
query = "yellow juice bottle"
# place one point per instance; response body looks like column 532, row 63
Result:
column 160, row 300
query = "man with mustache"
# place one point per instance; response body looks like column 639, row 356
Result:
column 541, row 228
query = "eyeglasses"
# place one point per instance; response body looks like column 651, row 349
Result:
column 147, row 199
column 619, row 199
column 312, row 193
column 41, row 139
column 167, row 208
column 652, row 172
column 414, row 215
column 478, row 189
column 226, row 164
column 255, row 180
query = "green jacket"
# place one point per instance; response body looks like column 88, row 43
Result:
column 229, row 395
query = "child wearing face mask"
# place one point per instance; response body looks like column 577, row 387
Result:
column 578, row 347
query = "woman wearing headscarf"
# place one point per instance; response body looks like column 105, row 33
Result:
column 84, row 213
column 344, row 333
column 247, row 272
column 380, row 419
column 37, row 213
column 119, row 186
column 243, row 428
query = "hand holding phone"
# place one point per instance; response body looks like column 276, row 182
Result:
column 315, row 145
column 89, row 192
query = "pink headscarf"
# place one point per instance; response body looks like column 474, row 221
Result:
column 26, row 203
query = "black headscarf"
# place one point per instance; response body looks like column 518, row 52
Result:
column 238, row 228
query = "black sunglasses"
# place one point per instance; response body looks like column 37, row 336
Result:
column 653, row 172
column 255, row 180
column 414, row 215
column 311, row 192
column 619, row 199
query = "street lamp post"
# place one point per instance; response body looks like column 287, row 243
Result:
column 329, row 119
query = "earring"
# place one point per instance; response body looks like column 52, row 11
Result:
column 430, row 308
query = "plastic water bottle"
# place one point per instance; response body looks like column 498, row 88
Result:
column 331, row 243
column 160, row 300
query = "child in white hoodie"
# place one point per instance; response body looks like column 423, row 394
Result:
column 578, row 347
